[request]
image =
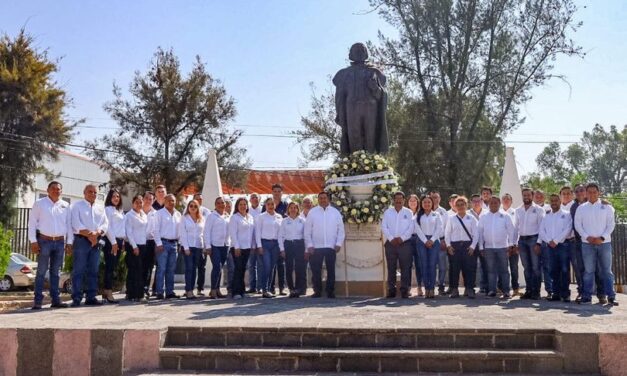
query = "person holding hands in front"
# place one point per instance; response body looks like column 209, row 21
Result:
column 461, row 236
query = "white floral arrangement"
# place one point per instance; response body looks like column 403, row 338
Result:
column 362, row 163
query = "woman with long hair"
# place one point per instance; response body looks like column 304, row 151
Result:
column 413, row 203
column 429, row 230
column 242, row 233
column 216, row 240
column 135, row 224
column 191, row 229
column 114, row 241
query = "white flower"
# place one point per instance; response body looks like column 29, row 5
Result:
column 338, row 203
column 326, row 177
column 350, row 220
column 363, row 156
column 366, row 203
column 345, row 159
column 384, row 200
column 345, row 208
column 365, row 210
column 354, row 165
column 358, row 220
column 367, row 161
column 376, row 207
column 334, row 176
column 370, row 219
column 383, row 186
column 354, row 212
column 358, row 203
column 367, row 168
column 379, row 167
column 345, row 167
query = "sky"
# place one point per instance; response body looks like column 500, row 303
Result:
column 266, row 54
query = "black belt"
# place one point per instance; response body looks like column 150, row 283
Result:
column 570, row 239
column 294, row 240
column 270, row 240
column 84, row 237
column 527, row 237
column 169, row 240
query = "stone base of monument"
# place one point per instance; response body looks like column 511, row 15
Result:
column 360, row 265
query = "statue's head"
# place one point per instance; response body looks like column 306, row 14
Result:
column 358, row 53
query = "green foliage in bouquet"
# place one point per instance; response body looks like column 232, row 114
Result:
column 362, row 163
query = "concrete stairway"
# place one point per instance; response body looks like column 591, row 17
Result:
column 361, row 350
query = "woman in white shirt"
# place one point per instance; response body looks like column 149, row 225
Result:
column 135, row 225
column 216, row 241
column 291, row 242
column 413, row 203
column 267, row 227
column 428, row 228
column 114, row 241
column 242, row 233
column 191, row 229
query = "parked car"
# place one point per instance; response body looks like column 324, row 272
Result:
column 65, row 282
column 21, row 272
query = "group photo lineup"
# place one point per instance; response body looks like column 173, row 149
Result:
column 324, row 187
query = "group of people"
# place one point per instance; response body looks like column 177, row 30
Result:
column 278, row 239
column 487, row 236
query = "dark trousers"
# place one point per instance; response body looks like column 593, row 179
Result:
column 239, row 271
column 462, row 262
column 401, row 257
column 135, row 272
column 202, row 269
column 148, row 262
column 560, row 269
column 483, row 275
column 111, row 261
column 279, row 271
column 320, row 255
column 295, row 266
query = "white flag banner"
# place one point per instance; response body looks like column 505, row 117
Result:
column 355, row 178
column 363, row 183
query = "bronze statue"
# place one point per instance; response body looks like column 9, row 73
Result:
column 360, row 104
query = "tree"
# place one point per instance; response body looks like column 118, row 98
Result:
column 167, row 126
column 600, row 156
column 466, row 68
column 33, row 125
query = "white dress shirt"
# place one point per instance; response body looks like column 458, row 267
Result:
column 596, row 220
column 324, row 228
column 190, row 232
column 566, row 208
column 528, row 220
column 496, row 230
column 152, row 221
column 444, row 215
column 216, row 233
column 255, row 212
column 86, row 216
column 267, row 227
column 166, row 225
column 512, row 214
column 205, row 212
column 555, row 226
column 430, row 225
column 52, row 219
column 291, row 229
column 116, row 223
column 242, row 231
column 478, row 215
column 135, row 225
column 455, row 232
column 397, row 224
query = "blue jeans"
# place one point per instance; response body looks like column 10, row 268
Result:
column 86, row 263
column 429, row 258
column 597, row 256
column 270, row 259
column 191, row 267
column 442, row 267
column 545, row 265
column 496, row 261
column 417, row 268
column 218, row 258
column 560, row 269
column 50, row 258
column 253, row 261
column 531, row 265
column 166, row 264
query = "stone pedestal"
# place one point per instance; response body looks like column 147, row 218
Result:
column 360, row 265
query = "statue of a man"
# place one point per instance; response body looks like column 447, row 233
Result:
column 360, row 104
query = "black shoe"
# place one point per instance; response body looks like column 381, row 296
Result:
column 483, row 291
column 441, row 291
column 93, row 302
column 282, row 293
column 584, row 301
column 267, row 295
column 554, row 298
column 526, row 295
column 36, row 307
column 159, row 296
column 391, row 294
column 535, row 296
column 566, row 300
column 251, row 291
column 404, row 295
column 59, row 305
column 172, row 296
column 294, row 295
column 331, row 295
column 491, row 294
column 316, row 295
column 75, row 304
column 613, row 302
column 602, row 300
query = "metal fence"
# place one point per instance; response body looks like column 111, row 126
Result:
column 19, row 226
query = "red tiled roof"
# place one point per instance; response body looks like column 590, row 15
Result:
column 293, row 181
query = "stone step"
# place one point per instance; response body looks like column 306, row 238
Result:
column 372, row 338
column 278, row 359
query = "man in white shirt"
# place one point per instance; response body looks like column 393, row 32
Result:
column 306, row 207
column 443, row 257
column 89, row 224
column 202, row 261
column 539, row 198
column 528, row 219
column 166, row 239
column 514, row 257
column 461, row 236
column 324, row 236
column 555, row 228
column 486, row 195
column 595, row 222
column 496, row 238
column 254, row 260
column 397, row 227
column 148, row 258
column 480, row 208
column 49, row 233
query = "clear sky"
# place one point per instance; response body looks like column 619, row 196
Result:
column 267, row 52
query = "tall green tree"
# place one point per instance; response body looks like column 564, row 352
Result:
column 33, row 122
column 166, row 127
column 467, row 66
column 600, row 156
